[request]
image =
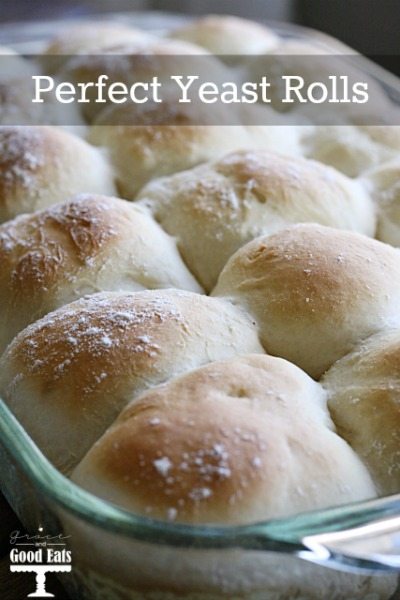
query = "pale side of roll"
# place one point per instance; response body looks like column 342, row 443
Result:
column 364, row 400
column 13, row 66
column 231, row 443
column 41, row 166
column 274, row 137
column 352, row 149
column 227, row 35
column 16, row 93
column 89, row 244
column 7, row 51
column 384, row 184
column 16, row 107
column 80, row 365
column 315, row 291
column 216, row 208
column 270, row 130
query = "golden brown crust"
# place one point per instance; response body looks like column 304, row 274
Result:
column 38, row 168
column 215, row 209
column 228, row 443
column 196, row 467
column 314, row 291
column 82, row 363
column 163, row 139
column 77, row 230
column 92, row 243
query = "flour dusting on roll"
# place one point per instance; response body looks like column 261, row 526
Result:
column 41, row 166
column 216, row 208
column 230, row 443
column 87, row 245
column 80, row 365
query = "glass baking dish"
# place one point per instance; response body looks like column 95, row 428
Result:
column 118, row 555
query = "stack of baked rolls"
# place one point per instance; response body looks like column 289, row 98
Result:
column 206, row 317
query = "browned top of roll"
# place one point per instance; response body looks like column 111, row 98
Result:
column 89, row 244
column 80, row 365
column 232, row 442
column 315, row 291
column 40, row 166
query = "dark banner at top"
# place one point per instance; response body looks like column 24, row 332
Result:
column 163, row 89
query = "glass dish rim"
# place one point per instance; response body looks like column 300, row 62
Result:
column 289, row 531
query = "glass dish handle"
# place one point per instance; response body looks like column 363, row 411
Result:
column 374, row 546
